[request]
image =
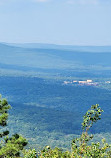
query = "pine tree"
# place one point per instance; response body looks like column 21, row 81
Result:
column 10, row 147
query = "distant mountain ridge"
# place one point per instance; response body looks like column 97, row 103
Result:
column 62, row 47
column 32, row 58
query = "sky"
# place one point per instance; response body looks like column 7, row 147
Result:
column 64, row 22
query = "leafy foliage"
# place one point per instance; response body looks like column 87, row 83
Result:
column 30, row 153
column 80, row 147
column 91, row 116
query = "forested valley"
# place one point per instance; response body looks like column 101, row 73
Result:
column 46, row 113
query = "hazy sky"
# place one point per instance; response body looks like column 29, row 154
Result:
column 74, row 22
